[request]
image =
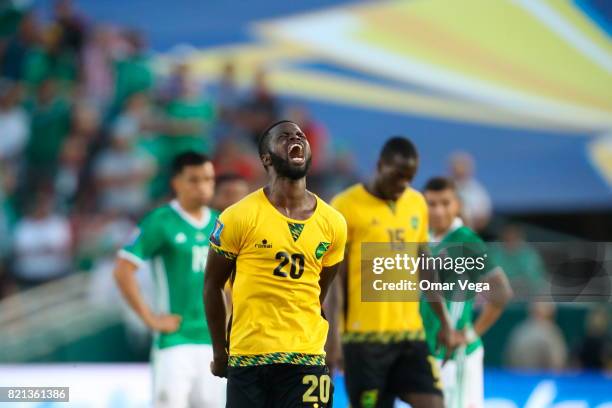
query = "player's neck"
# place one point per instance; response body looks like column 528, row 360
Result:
column 456, row 223
column 439, row 234
column 194, row 210
column 372, row 188
column 287, row 193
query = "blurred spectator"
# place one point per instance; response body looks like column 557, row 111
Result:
column 7, row 217
column 70, row 25
column 121, row 174
column 261, row 107
column 133, row 72
column 316, row 134
column 176, row 81
column 339, row 174
column 238, row 158
column 101, row 236
column 14, row 122
column 537, row 343
column 8, row 187
column 49, row 60
column 85, row 122
column 50, row 114
column 135, row 120
column 187, row 125
column 83, row 141
column 229, row 189
column 18, row 46
column 100, row 239
column 521, row 262
column 42, row 244
column 11, row 13
column 228, row 100
column 98, row 74
column 71, row 162
column 189, row 116
column 5, row 236
column 595, row 350
column 474, row 197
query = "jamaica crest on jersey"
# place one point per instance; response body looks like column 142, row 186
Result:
column 321, row 249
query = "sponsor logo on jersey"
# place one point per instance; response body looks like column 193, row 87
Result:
column 215, row 236
column 321, row 249
column 180, row 238
column 264, row 244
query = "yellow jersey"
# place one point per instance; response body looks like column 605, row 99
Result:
column 276, row 316
column 371, row 219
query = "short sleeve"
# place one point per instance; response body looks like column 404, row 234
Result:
column 227, row 235
column 423, row 235
column 478, row 249
column 335, row 254
column 339, row 203
column 145, row 242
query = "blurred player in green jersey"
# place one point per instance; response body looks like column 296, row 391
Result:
column 174, row 238
column 462, row 375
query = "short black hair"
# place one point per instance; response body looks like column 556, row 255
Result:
column 398, row 145
column 440, row 184
column 228, row 178
column 188, row 158
column 264, row 138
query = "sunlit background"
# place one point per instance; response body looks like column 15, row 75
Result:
column 511, row 98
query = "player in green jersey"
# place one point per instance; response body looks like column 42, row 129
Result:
column 462, row 375
column 174, row 239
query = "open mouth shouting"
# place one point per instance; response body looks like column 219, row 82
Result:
column 295, row 154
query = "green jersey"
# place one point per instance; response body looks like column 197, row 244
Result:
column 460, row 241
column 177, row 246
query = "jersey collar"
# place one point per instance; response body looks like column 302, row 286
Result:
column 456, row 224
column 199, row 224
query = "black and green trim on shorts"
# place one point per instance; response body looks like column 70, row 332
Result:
column 248, row 360
column 383, row 337
column 227, row 254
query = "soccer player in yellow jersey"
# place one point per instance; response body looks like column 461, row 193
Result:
column 384, row 349
column 285, row 244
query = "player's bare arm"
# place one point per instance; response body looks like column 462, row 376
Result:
column 496, row 300
column 218, row 271
column 125, row 276
column 326, row 280
column 331, row 306
column 446, row 335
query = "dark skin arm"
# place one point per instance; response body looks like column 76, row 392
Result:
column 327, row 284
column 332, row 305
column 326, row 279
column 218, row 271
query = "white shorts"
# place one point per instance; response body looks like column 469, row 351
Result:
column 182, row 378
column 463, row 380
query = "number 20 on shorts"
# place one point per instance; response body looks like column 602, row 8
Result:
column 323, row 383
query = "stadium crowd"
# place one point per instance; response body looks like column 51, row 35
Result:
column 88, row 130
